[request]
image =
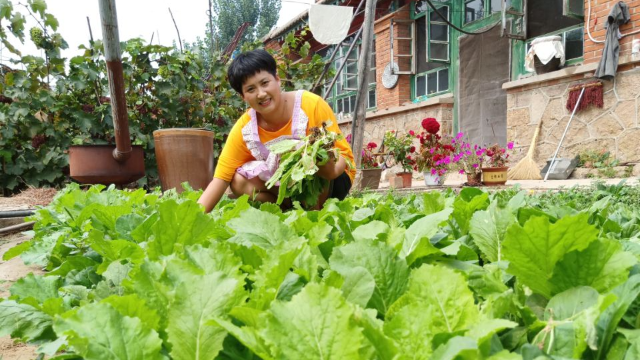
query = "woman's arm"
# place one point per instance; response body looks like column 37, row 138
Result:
column 332, row 169
column 213, row 193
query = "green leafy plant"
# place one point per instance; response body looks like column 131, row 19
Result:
column 300, row 161
column 481, row 275
column 401, row 148
column 44, row 108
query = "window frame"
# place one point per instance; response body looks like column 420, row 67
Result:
column 340, row 94
column 566, row 10
column 427, row 95
column 428, row 23
column 563, row 33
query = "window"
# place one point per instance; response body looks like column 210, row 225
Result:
column 430, row 83
column 342, row 96
column 439, row 35
column 473, row 10
column 433, row 49
column 573, row 8
column 572, row 42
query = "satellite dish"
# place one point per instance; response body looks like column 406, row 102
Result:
column 390, row 75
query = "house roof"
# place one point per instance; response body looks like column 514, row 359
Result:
column 297, row 22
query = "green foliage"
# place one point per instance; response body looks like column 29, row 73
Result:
column 55, row 103
column 229, row 15
column 432, row 276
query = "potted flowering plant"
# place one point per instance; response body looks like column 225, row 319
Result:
column 434, row 156
column 495, row 171
column 468, row 159
column 402, row 149
column 371, row 169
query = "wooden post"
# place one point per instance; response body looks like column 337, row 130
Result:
column 364, row 65
column 111, row 40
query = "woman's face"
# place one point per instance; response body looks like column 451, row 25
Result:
column 262, row 92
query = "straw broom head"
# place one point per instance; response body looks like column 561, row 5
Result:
column 527, row 169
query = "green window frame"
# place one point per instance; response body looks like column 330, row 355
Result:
column 431, row 83
column 573, row 8
column 572, row 33
column 342, row 98
column 438, row 35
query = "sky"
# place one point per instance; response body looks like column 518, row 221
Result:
column 136, row 18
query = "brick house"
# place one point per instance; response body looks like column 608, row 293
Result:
column 478, row 83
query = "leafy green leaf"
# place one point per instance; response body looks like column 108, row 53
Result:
column 389, row 271
column 194, row 305
column 22, row 321
column 374, row 230
column 39, row 287
column 316, row 324
column 488, row 228
column 534, row 250
column 417, row 237
column 609, row 319
column 98, row 331
column 602, row 265
column 258, row 228
column 179, row 225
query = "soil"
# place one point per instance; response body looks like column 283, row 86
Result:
column 11, row 271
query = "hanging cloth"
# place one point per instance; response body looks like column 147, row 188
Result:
column 608, row 65
column 546, row 48
column 330, row 24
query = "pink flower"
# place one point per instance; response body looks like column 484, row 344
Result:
column 510, row 145
column 459, row 135
column 432, row 150
column 461, row 171
column 479, row 152
column 475, row 166
column 433, row 171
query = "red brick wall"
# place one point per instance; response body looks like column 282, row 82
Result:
column 599, row 11
column 401, row 93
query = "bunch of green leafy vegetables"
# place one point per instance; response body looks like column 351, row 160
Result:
column 425, row 276
column 300, row 161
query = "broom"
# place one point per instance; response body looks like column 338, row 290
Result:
column 527, row 169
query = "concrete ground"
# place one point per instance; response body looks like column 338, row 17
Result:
column 456, row 181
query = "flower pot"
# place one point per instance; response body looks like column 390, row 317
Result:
column 474, row 179
column 184, row 155
column 433, row 180
column 370, row 178
column 406, row 179
column 494, row 176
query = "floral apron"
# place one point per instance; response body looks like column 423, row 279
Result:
column 266, row 163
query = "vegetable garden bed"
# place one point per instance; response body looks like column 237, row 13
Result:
column 437, row 275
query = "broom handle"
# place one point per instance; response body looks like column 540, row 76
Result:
column 563, row 134
column 534, row 140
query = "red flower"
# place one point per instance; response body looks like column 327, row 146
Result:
column 412, row 149
column 431, row 125
column 412, row 133
column 372, row 145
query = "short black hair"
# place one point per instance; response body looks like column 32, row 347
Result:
column 248, row 64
